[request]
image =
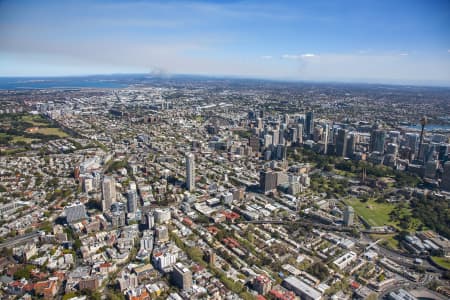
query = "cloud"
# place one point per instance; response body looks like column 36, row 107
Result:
column 290, row 56
column 266, row 57
column 404, row 54
column 297, row 56
column 448, row 50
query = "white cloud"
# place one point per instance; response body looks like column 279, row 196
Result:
column 291, row 56
column 404, row 54
column 266, row 57
column 297, row 56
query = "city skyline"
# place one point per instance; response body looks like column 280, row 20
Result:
column 406, row 42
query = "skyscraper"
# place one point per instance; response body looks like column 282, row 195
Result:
column 109, row 192
column 349, row 215
column 309, row 124
column 377, row 140
column 267, row 180
column 351, row 144
column 326, row 130
column 446, row 177
column 190, row 172
column 341, row 142
column 132, row 198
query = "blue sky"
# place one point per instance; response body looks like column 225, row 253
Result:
column 336, row 40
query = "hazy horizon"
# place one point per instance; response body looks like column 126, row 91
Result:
column 388, row 42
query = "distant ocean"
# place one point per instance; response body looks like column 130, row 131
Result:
column 58, row 83
column 431, row 127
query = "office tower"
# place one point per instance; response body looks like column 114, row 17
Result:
column 109, row 192
column 377, row 140
column 293, row 135
column 267, row 180
column 392, row 148
column 412, row 141
column 282, row 137
column 75, row 212
column 182, row 277
column 341, row 142
column 443, row 152
column 351, row 144
column 253, row 142
column 300, row 133
column 326, row 130
column 349, row 215
column 132, row 199
column 309, row 124
column 267, row 140
column 445, row 184
column 286, row 119
column 317, row 133
column 259, row 122
column 190, row 172
column 431, row 168
column 275, row 137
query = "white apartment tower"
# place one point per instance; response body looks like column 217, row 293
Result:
column 190, row 172
column 108, row 192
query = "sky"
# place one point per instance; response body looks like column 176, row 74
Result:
column 380, row 41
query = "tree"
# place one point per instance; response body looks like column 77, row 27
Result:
column 319, row 270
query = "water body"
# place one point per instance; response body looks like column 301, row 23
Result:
column 431, row 127
column 59, row 83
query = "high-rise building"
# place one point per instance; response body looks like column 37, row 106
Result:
column 349, row 215
column 182, row 277
column 446, row 177
column 254, row 143
column 267, row 180
column 392, row 148
column 341, row 142
column 162, row 215
column 430, row 169
column 377, row 140
column 412, row 141
column 309, row 124
column 300, row 133
column 275, row 137
column 267, row 140
column 132, row 201
column 109, row 192
column 326, row 130
column 75, row 212
column 190, row 172
column 351, row 144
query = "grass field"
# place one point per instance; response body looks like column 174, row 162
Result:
column 442, row 261
column 376, row 214
column 23, row 139
column 36, row 120
column 388, row 239
column 52, row 131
